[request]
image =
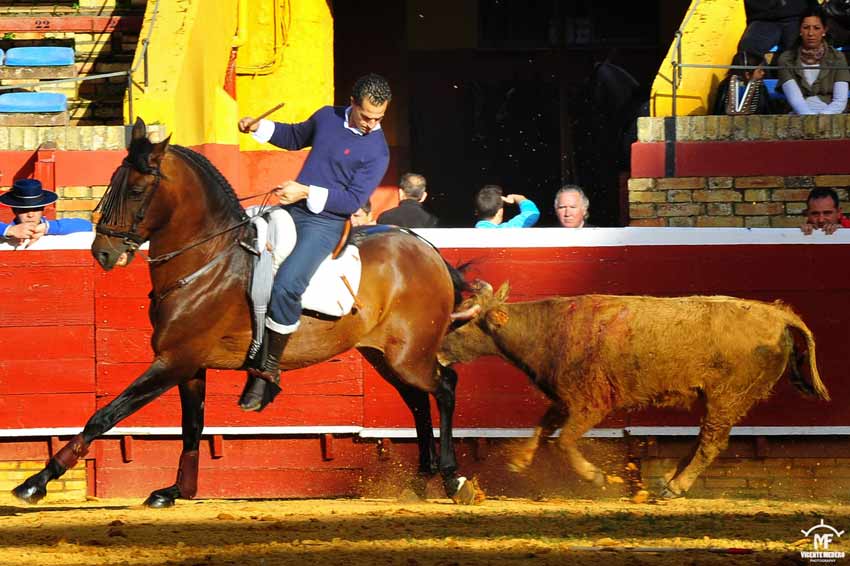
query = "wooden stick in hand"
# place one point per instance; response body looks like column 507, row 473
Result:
column 263, row 115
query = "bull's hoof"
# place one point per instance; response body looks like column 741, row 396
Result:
column 668, row 493
column 162, row 498
column 28, row 493
column 516, row 466
column 598, row 479
column 469, row 493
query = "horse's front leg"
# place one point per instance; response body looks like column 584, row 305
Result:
column 157, row 379
column 458, row 488
column 192, row 394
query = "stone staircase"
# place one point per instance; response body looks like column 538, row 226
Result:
column 104, row 35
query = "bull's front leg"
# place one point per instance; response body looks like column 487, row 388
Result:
column 577, row 423
column 521, row 453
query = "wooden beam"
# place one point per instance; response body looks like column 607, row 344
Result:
column 83, row 24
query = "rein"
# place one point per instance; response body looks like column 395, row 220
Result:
column 170, row 255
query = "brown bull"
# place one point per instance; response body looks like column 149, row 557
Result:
column 593, row 354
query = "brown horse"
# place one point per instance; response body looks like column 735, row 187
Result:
column 175, row 199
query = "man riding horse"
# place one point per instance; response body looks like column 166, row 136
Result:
column 348, row 159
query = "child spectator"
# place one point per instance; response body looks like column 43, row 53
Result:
column 27, row 199
column 743, row 90
column 490, row 209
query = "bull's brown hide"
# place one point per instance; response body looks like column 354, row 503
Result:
column 592, row 354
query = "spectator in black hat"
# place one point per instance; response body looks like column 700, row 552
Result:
column 27, row 199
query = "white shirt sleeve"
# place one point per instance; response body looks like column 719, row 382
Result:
column 316, row 199
column 839, row 99
column 264, row 131
column 795, row 97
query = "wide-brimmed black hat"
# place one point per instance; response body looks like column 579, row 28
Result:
column 27, row 193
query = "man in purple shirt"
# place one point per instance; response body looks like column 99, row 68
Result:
column 348, row 159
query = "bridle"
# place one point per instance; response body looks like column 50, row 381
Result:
column 130, row 238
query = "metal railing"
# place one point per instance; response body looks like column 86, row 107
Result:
column 128, row 73
column 678, row 66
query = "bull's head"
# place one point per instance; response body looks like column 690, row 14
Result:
column 477, row 317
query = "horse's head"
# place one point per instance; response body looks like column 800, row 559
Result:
column 126, row 220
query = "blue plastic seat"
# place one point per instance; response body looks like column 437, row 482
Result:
column 39, row 56
column 1, row 56
column 33, row 102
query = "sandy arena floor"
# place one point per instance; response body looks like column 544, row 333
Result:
column 378, row 531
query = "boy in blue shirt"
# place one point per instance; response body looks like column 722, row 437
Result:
column 27, row 200
column 490, row 208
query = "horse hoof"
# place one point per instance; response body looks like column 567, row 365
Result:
column 469, row 493
column 31, row 494
column 158, row 501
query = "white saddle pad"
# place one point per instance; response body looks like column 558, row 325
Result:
column 326, row 293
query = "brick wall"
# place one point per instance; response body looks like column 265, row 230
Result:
column 752, row 202
column 76, row 201
column 764, row 200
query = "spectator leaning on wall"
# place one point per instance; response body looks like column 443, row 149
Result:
column 27, row 199
column 823, row 212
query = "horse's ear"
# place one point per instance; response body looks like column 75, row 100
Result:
column 503, row 292
column 158, row 152
column 139, row 130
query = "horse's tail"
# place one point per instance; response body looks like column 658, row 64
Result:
column 459, row 282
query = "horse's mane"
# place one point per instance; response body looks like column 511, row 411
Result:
column 212, row 176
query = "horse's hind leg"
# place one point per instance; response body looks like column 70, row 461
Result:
column 417, row 401
column 192, row 394
column 457, row 487
column 157, row 379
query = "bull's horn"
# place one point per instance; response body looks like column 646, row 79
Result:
column 466, row 314
column 479, row 286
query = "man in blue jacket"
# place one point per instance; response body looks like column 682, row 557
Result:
column 348, row 159
column 490, row 209
column 27, row 199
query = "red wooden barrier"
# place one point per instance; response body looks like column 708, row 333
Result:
column 76, row 336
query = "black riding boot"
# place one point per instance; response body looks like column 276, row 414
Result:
column 264, row 373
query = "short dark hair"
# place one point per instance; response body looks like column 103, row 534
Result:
column 371, row 86
column 412, row 185
column 822, row 192
column 746, row 58
column 488, row 201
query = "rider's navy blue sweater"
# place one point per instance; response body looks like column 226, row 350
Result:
column 349, row 165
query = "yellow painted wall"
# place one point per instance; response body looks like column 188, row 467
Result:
column 286, row 54
column 710, row 36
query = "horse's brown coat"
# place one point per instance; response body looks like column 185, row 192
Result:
column 596, row 353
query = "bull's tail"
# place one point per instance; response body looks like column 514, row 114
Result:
column 816, row 388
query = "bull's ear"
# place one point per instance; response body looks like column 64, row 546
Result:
column 496, row 318
column 139, row 130
column 158, row 152
column 503, row 292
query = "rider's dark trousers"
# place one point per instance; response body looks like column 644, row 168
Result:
column 317, row 237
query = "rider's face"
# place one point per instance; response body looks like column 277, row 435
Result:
column 366, row 116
